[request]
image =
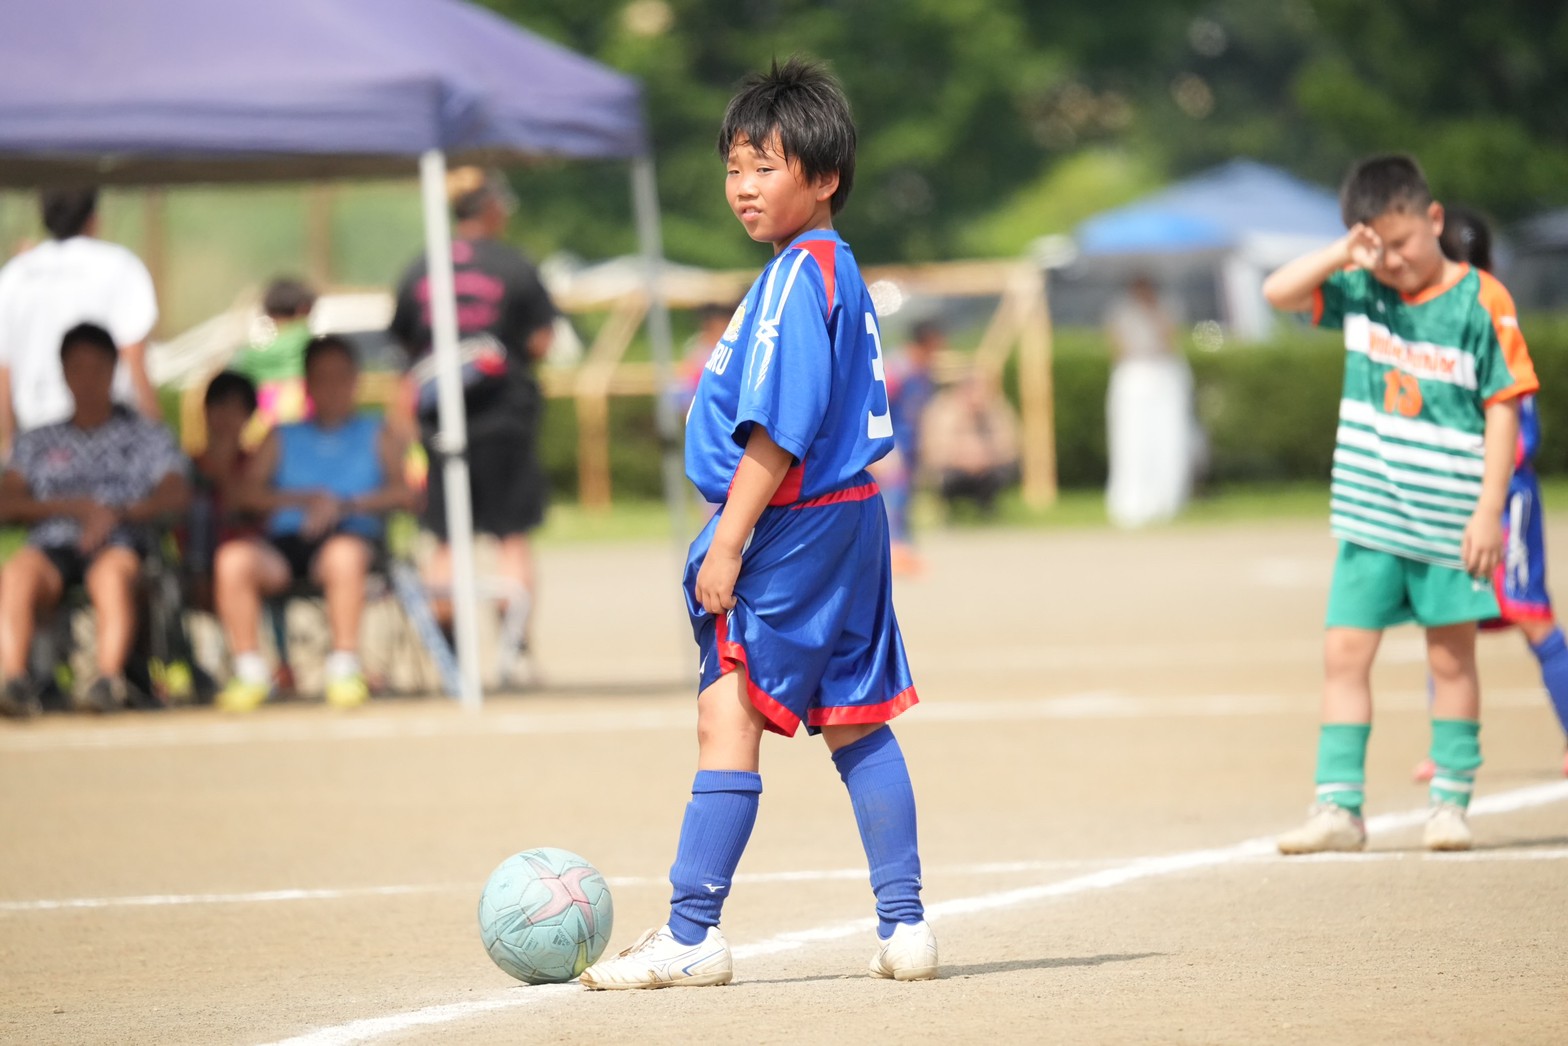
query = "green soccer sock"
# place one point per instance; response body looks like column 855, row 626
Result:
column 1456, row 752
column 1342, row 764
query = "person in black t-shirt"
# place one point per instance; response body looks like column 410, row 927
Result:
column 505, row 322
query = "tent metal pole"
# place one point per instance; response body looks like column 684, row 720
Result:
column 645, row 201
column 452, row 440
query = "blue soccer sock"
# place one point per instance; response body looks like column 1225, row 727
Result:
column 1553, row 656
column 873, row 770
column 714, row 833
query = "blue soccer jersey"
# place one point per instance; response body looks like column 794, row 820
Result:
column 802, row 357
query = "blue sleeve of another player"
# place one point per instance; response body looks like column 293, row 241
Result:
column 789, row 365
column 1529, row 432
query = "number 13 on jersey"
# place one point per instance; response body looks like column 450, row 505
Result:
column 878, row 426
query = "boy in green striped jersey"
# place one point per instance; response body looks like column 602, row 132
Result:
column 1428, row 419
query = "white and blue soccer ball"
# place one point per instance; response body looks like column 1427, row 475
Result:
column 545, row 915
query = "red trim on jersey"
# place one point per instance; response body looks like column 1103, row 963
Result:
column 789, row 490
column 779, row 719
column 860, row 493
column 824, row 251
column 856, row 715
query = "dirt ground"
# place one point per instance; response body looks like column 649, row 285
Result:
column 1111, row 727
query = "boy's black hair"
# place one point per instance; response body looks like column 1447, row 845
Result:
column 288, row 297
column 326, row 345
column 1381, row 185
column 713, row 312
column 66, row 212
column 90, row 336
column 805, row 105
column 926, row 331
column 1467, row 237
column 231, row 385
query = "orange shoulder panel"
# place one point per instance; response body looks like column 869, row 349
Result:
column 1499, row 305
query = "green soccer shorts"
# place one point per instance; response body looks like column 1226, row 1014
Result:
column 1375, row 590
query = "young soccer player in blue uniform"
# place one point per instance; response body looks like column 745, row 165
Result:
column 789, row 586
column 1520, row 579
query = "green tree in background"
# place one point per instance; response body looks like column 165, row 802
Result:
column 987, row 123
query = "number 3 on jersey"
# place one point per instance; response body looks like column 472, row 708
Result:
column 1401, row 394
column 878, row 426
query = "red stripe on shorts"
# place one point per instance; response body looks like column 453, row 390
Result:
column 854, row 715
column 779, row 719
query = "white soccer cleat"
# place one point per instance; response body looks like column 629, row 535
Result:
column 1447, row 829
column 1328, row 828
column 908, row 955
column 658, row 960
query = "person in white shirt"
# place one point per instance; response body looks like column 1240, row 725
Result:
column 1152, row 433
column 69, row 279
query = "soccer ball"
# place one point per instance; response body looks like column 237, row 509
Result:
column 545, row 915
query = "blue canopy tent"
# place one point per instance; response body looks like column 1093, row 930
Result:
column 181, row 91
column 1220, row 208
column 1245, row 215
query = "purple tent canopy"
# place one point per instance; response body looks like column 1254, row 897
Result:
column 185, row 90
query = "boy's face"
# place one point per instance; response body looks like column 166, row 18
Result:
column 226, row 420
column 89, row 374
column 1411, row 259
column 769, row 195
column 330, row 382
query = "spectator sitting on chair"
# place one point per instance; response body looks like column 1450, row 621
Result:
column 325, row 484
column 970, row 441
column 227, row 408
column 89, row 489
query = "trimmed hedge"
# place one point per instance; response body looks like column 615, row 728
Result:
column 1270, row 412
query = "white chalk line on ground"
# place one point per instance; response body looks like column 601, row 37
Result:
column 1247, row 851
column 349, row 893
column 191, row 732
column 810, row 875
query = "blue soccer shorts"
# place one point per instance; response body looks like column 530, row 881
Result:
column 1520, row 580
column 812, row 629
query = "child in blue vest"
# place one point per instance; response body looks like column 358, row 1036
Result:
column 324, row 485
column 789, row 587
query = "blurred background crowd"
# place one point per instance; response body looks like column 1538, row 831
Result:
column 266, row 431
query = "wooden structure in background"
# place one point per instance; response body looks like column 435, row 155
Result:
column 1020, row 326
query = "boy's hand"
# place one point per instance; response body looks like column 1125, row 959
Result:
column 1364, row 247
column 716, row 580
column 97, row 523
column 1481, row 548
column 321, row 515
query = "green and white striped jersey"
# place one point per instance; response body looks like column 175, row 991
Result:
column 1419, row 375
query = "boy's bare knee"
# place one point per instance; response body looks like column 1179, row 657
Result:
column 729, row 727
column 342, row 558
column 1349, row 651
column 30, row 581
column 113, row 565
column 235, row 561
column 841, row 736
column 1450, row 651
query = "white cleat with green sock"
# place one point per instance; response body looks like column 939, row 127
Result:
column 1329, row 828
column 908, row 955
column 1447, row 828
